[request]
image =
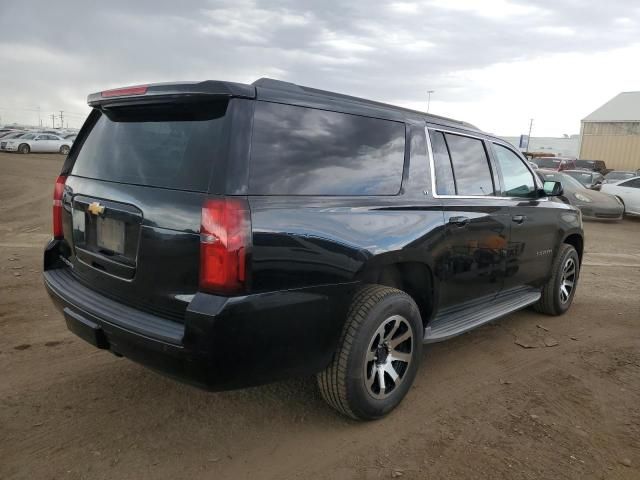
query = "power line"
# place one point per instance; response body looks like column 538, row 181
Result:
column 24, row 109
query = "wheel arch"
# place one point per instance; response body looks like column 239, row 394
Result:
column 576, row 241
column 413, row 277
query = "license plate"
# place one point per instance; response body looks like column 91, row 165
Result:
column 110, row 235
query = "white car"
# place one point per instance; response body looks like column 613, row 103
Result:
column 38, row 142
column 628, row 192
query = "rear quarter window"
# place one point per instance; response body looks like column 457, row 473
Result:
column 305, row 151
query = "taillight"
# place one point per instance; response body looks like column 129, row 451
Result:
column 225, row 235
column 58, row 190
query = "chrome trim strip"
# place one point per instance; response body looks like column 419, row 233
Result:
column 433, row 170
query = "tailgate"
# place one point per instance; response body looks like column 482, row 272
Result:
column 133, row 201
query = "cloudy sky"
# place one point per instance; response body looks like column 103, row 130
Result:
column 495, row 63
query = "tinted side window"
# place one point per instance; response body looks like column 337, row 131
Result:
column 470, row 165
column 445, row 183
column 635, row 183
column 518, row 181
column 305, row 151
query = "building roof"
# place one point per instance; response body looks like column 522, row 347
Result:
column 624, row 107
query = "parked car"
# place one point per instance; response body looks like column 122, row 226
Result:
column 292, row 231
column 592, row 165
column 555, row 163
column 628, row 192
column 71, row 137
column 6, row 133
column 38, row 142
column 592, row 204
column 9, row 136
column 590, row 179
column 616, row 176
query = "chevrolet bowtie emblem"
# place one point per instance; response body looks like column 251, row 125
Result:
column 95, row 208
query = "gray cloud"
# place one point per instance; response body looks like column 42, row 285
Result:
column 54, row 54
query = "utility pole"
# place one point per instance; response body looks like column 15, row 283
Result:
column 529, row 140
column 429, row 92
column 53, row 121
column 61, row 119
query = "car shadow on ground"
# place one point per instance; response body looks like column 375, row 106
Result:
column 122, row 388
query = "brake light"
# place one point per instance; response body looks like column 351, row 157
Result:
column 58, row 190
column 121, row 92
column 225, row 235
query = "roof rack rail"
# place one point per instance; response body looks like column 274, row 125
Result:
column 273, row 84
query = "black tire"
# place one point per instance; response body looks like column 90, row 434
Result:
column 24, row 148
column 344, row 383
column 553, row 300
column 64, row 149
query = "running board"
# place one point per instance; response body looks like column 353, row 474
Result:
column 454, row 321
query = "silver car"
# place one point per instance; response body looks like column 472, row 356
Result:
column 9, row 136
column 592, row 204
column 38, row 142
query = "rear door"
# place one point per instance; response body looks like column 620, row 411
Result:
column 134, row 196
column 477, row 222
column 55, row 142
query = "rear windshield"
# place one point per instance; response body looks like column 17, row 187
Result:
column 306, row 151
column 169, row 146
column 585, row 163
column 567, row 181
column 582, row 177
column 619, row 175
column 547, row 162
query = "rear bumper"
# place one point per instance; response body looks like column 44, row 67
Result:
column 224, row 343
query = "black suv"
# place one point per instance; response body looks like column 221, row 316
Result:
column 230, row 235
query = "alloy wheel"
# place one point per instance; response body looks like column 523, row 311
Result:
column 388, row 357
column 568, row 279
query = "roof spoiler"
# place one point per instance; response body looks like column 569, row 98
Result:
column 162, row 92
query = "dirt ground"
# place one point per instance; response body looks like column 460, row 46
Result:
column 482, row 406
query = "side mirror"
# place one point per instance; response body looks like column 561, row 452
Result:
column 552, row 188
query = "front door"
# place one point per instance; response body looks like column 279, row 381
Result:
column 533, row 225
column 41, row 144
